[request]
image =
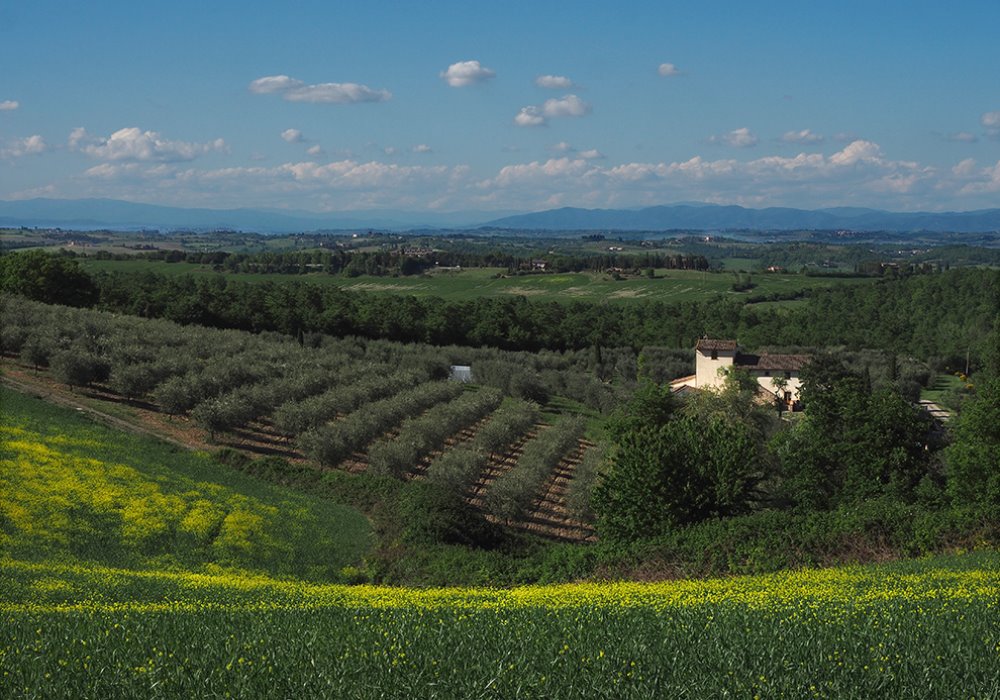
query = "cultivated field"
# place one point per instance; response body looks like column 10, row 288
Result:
column 473, row 283
column 77, row 491
column 929, row 629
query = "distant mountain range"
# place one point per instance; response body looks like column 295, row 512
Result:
column 82, row 214
column 115, row 214
column 706, row 217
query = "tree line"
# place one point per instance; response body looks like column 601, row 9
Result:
column 942, row 317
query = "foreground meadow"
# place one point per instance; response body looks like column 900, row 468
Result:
column 928, row 629
column 128, row 570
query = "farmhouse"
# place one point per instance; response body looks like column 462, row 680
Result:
column 777, row 375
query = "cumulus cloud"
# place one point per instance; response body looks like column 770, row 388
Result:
column 292, row 136
column 315, row 150
column 465, row 73
column 964, row 168
column 554, row 82
column 668, row 70
column 294, row 90
column 336, row 93
column 9, row 105
column 979, row 181
column 737, row 138
column 592, row 154
column 422, row 148
column 806, row 136
column 859, row 151
column 274, row 83
column 27, row 146
column 566, row 106
column 961, row 137
column 991, row 122
column 134, row 144
column 859, row 173
column 529, row 116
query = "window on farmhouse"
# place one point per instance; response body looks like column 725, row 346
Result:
column 715, row 354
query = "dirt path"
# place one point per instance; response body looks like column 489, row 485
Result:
column 40, row 390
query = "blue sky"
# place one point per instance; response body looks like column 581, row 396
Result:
column 455, row 106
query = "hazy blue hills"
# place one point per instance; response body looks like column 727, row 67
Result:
column 712, row 217
column 116, row 214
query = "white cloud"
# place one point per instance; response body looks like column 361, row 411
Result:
column 422, row 148
column 984, row 181
column 566, row 147
column 337, row 93
column 292, row 136
column 27, row 146
column 389, row 150
column 554, row 82
column 737, row 138
column 668, row 70
column 962, row 137
column 806, row 136
column 529, row 116
column 568, row 106
column 315, row 150
column 293, row 90
column 134, row 144
column 964, row 168
column 465, row 73
column 274, row 83
column 9, row 105
column 859, row 151
column 991, row 122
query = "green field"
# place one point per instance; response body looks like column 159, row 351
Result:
column 76, row 491
column 668, row 286
column 120, row 578
column 928, row 629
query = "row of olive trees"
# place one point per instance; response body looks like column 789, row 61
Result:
column 237, row 408
column 457, row 470
column 236, row 376
column 332, row 443
column 420, row 435
column 582, row 485
column 367, row 384
column 511, row 495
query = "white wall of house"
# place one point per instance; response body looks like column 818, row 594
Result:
column 708, row 372
column 792, row 384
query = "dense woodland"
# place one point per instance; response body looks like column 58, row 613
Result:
column 715, row 481
column 941, row 317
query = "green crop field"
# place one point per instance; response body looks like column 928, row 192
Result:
column 930, row 629
column 77, row 491
column 668, row 285
column 132, row 569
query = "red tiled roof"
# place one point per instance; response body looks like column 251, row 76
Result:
column 714, row 344
column 769, row 362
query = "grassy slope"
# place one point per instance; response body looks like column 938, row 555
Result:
column 78, row 491
column 923, row 629
column 669, row 285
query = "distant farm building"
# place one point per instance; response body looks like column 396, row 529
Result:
column 461, row 373
column 777, row 376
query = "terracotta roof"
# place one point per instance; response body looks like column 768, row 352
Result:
column 682, row 379
column 771, row 362
column 713, row 344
